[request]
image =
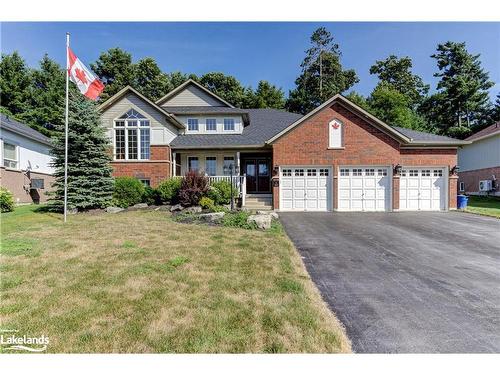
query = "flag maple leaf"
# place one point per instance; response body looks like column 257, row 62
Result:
column 80, row 74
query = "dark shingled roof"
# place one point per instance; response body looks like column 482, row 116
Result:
column 418, row 136
column 484, row 132
column 187, row 110
column 264, row 124
column 9, row 123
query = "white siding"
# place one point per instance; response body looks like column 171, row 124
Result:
column 162, row 131
column 484, row 153
column 238, row 124
column 29, row 152
column 193, row 96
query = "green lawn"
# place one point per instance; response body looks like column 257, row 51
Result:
column 489, row 206
column 140, row 282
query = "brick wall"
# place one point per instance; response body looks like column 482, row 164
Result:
column 363, row 143
column 18, row 183
column 156, row 169
column 471, row 178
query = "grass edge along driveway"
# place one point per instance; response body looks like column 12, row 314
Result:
column 138, row 282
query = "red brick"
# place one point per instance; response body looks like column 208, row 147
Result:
column 364, row 144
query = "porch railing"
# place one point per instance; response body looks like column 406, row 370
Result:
column 239, row 182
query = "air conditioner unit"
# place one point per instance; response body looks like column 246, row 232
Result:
column 485, row 185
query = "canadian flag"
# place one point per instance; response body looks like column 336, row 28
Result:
column 87, row 82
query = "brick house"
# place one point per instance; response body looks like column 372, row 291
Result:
column 26, row 169
column 479, row 161
column 338, row 157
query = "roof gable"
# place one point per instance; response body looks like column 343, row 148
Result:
column 191, row 93
column 8, row 123
column 129, row 90
column 486, row 132
column 404, row 136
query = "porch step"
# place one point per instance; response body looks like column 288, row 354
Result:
column 259, row 201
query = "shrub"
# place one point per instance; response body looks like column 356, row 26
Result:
column 128, row 191
column 220, row 192
column 6, row 200
column 238, row 220
column 168, row 189
column 206, row 202
column 151, row 196
column 193, row 187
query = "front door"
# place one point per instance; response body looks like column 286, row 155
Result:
column 258, row 175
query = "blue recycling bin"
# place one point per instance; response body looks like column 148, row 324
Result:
column 462, row 201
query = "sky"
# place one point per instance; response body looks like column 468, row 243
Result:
column 256, row 51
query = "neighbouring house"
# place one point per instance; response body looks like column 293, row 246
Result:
column 479, row 162
column 25, row 169
column 336, row 158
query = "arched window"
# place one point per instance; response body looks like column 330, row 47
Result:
column 335, row 134
column 132, row 136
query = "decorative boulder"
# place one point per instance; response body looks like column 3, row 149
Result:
column 114, row 210
column 212, row 217
column 193, row 209
column 273, row 214
column 139, row 206
column 177, row 207
column 262, row 221
column 165, row 207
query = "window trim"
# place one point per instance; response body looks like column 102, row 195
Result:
column 126, row 127
column 461, row 186
column 214, row 157
column 192, row 157
column 206, row 125
column 342, row 135
column 17, row 152
column 224, row 159
column 197, row 124
column 229, row 130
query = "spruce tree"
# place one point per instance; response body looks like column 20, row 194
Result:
column 90, row 184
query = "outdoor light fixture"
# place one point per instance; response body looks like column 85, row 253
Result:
column 397, row 169
column 455, row 170
column 276, row 170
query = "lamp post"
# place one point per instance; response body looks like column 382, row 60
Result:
column 230, row 169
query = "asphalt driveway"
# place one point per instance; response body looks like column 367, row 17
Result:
column 406, row 282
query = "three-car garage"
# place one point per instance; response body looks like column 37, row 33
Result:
column 361, row 188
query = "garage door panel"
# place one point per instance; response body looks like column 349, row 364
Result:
column 310, row 183
column 356, row 183
column 344, row 194
column 303, row 189
column 364, row 189
column 369, row 183
column 422, row 189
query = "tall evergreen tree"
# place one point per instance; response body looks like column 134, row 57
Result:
column 462, row 91
column 115, row 69
column 150, row 80
column 14, row 83
column 396, row 73
column 90, row 184
column 322, row 74
column 225, row 86
column 45, row 103
column 266, row 96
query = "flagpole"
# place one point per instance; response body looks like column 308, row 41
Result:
column 66, row 133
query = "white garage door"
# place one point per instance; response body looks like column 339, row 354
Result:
column 305, row 189
column 364, row 189
column 422, row 189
